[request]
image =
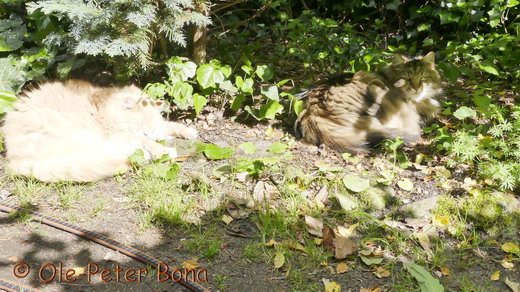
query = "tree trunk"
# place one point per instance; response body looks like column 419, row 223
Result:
column 197, row 44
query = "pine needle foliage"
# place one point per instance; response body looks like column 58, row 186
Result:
column 123, row 30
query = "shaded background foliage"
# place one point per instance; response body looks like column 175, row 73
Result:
column 251, row 56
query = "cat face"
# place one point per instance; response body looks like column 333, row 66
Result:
column 418, row 78
column 140, row 115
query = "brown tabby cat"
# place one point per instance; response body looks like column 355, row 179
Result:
column 353, row 111
column 74, row 131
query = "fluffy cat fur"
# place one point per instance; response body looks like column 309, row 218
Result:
column 353, row 111
column 74, row 131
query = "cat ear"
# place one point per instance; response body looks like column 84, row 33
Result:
column 429, row 58
column 398, row 59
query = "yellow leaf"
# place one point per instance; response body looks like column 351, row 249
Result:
column 318, row 241
column 445, row 271
column 331, row 286
column 510, row 247
column 341, row 268
column 495, row 276
column 190, row 265
column 293, row 245
column 441, row 220
column 271, row 242
column 279, row 260
column 227, row 219
column 324, row 263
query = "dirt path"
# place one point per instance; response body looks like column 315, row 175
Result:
column 234, row 254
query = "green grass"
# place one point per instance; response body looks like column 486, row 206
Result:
column 205, row 242
column 68, row 194
column 162, row 202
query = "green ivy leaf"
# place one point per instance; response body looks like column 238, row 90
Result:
column 488, row 67
column 298, row 107
column 6, row 101
column 271, row 93
column 237, row 102
column 264, row 72
column 464, row 112
column 182, row 93
column 247, row 86
column 269, row 110
column 228, row 86
column 12, row 32
column 215, row 152
column 155, row 90
column 449, row 71
column 277, row 148
column 199, row 102
column 208, row 76
column 64, row 68
column 137, row 158
column 11, row 78
column 355, row 183
column 179, row 70
column 248, row 147
column 423, row 26
column 427, row 283
column 482, row 102
column 371, row 261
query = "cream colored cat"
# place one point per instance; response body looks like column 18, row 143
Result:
column 74, row 131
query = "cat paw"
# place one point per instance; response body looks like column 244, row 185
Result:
column 191, row 134
column 172, row 152
column 147, row 156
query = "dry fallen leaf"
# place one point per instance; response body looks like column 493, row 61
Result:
column 328, row 237
column 515, row 286
column 506, row 264
column 279, row 260
column 347, row 231
column 322, row 195
column 344, row 247
column 381, row 272
column 495, row 276
column 314, row 226
column 341, row 268
column 424, row 241
column 190, row 265
column 227, row 219
column 445, row 271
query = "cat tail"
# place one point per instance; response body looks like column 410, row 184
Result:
column 81, row 165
